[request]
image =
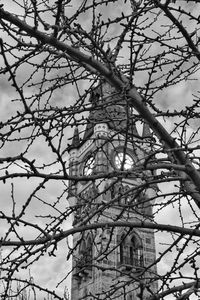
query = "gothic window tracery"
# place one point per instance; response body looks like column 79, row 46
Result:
column 86, row 254
column 124, row 195
column 89, row 166
column 89, row 252
column 130, row 251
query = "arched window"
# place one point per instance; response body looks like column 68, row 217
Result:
column 130, row 251
column 89, row 252
column 82, row 248
column 84, row 262
column 86, row 252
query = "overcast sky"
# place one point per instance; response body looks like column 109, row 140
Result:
column 50, row 270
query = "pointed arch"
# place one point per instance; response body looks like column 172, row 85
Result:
column 85, row 261
column 89, row 251
column 130, row 250
column 82, row 247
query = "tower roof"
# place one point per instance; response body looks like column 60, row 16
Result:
column 109, row 106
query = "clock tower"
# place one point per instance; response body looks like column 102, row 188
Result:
column 111, row 259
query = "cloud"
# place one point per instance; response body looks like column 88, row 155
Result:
column 49, row 270
column 176, row 97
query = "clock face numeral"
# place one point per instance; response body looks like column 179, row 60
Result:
column 89, row 166
column 123, row 161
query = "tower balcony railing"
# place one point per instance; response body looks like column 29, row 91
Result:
column 133, row 262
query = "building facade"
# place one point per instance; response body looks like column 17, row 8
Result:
column 111, row 260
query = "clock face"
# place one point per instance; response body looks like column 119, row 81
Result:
column 123, row 161
column 89, row 166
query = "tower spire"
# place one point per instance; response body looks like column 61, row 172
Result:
column 111, row 145
column 109, row 106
